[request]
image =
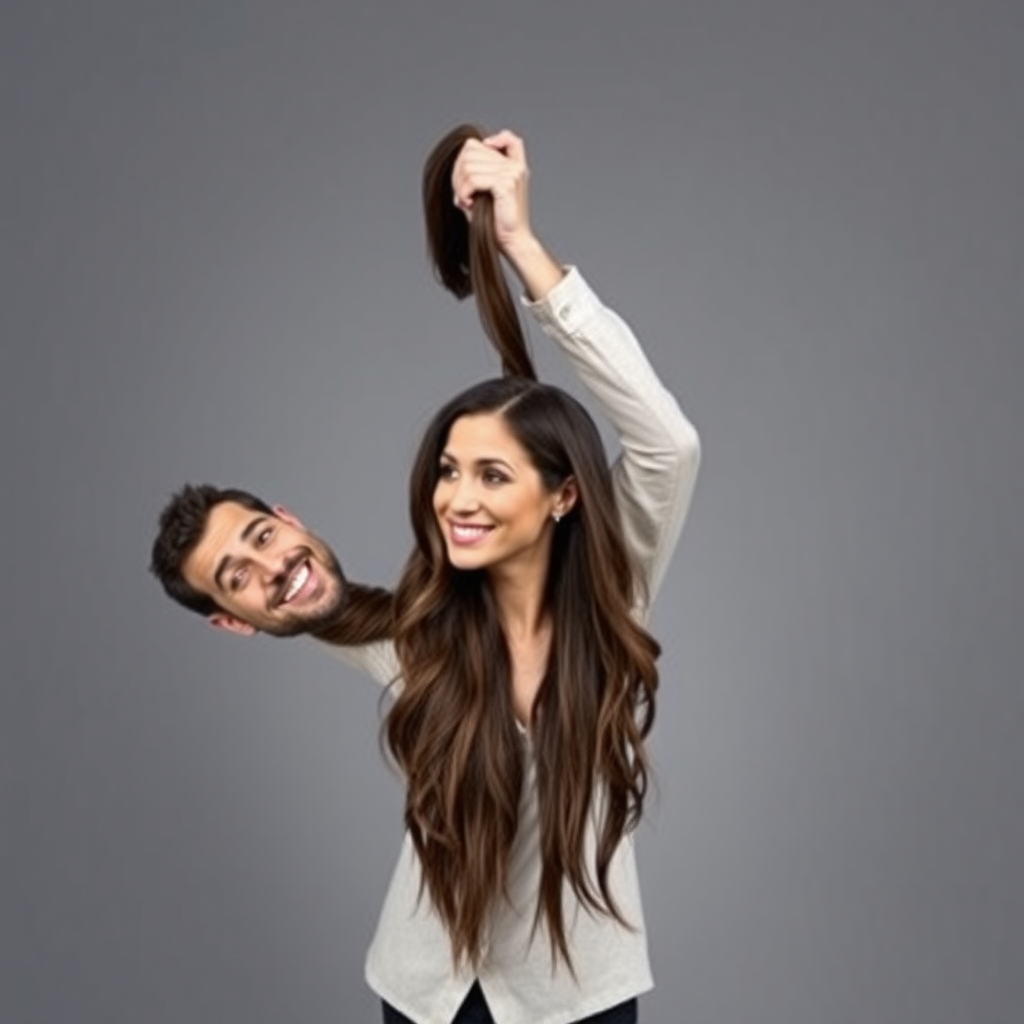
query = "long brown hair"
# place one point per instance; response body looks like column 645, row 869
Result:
column 465, row 256
column 452, row 729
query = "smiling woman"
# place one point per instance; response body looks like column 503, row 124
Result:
column 526, row 677
column 491, row 501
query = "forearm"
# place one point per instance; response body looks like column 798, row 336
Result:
column 535, row 267
column 609, row 360
column 655, row 474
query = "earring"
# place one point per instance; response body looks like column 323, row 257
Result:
column 557, row 516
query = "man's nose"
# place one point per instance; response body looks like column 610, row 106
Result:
column 271, row 565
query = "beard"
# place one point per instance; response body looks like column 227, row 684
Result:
column 302, row 623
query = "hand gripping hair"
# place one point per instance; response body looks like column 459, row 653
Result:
column 464, row 253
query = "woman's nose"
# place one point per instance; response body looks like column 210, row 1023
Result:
column 464, row 497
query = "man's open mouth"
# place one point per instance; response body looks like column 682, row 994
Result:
column 297, row 579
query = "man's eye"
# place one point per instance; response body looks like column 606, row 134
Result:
column 264, row 536
column 238, row 579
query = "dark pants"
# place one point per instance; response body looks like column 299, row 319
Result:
column 474, row 1011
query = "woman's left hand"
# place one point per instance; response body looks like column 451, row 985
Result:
column 497, row 165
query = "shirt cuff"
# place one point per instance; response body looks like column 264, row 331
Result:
column 567, row 306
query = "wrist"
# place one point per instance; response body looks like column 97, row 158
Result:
column 536, row 268
column 520, row 247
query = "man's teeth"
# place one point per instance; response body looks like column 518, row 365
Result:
column 297, row 583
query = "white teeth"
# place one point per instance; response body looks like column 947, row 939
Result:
column 469, row 532
column 297, row 583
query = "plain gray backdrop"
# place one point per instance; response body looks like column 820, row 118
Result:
column 213, row 268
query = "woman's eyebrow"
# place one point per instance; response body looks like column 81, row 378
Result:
column 487, row 460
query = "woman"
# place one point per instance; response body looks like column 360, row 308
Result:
column 525, row 677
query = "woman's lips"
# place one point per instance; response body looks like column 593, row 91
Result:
column 467, row 534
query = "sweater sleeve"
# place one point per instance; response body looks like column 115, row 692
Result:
column 378, row 660
column 655, row 474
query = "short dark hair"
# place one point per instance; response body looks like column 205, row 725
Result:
column 182, row 523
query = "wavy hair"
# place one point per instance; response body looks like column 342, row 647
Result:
column 452, row 729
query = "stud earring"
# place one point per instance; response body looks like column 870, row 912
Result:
column 557, row 516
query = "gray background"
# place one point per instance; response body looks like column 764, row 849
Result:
column 213, row 268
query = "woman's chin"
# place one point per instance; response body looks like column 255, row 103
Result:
column 466, row 560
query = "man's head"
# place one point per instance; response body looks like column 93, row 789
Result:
column 245, row 565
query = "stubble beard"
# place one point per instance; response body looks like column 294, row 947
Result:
column 299, row 624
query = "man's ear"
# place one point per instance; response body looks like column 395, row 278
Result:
column 233, row 624
column 282, row 513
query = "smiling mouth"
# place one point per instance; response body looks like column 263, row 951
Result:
column 466, row 533
column 297, row 579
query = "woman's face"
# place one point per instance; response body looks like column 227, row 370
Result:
column 490, row 501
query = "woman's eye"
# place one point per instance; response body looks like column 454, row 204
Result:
column 447, row 472
column 494, row 477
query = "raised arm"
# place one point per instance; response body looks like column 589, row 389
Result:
column 656, row 471
column 655, row 474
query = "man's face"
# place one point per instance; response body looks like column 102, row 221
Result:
column 267, row 572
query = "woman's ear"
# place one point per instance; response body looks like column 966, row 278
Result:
column 565, row 497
